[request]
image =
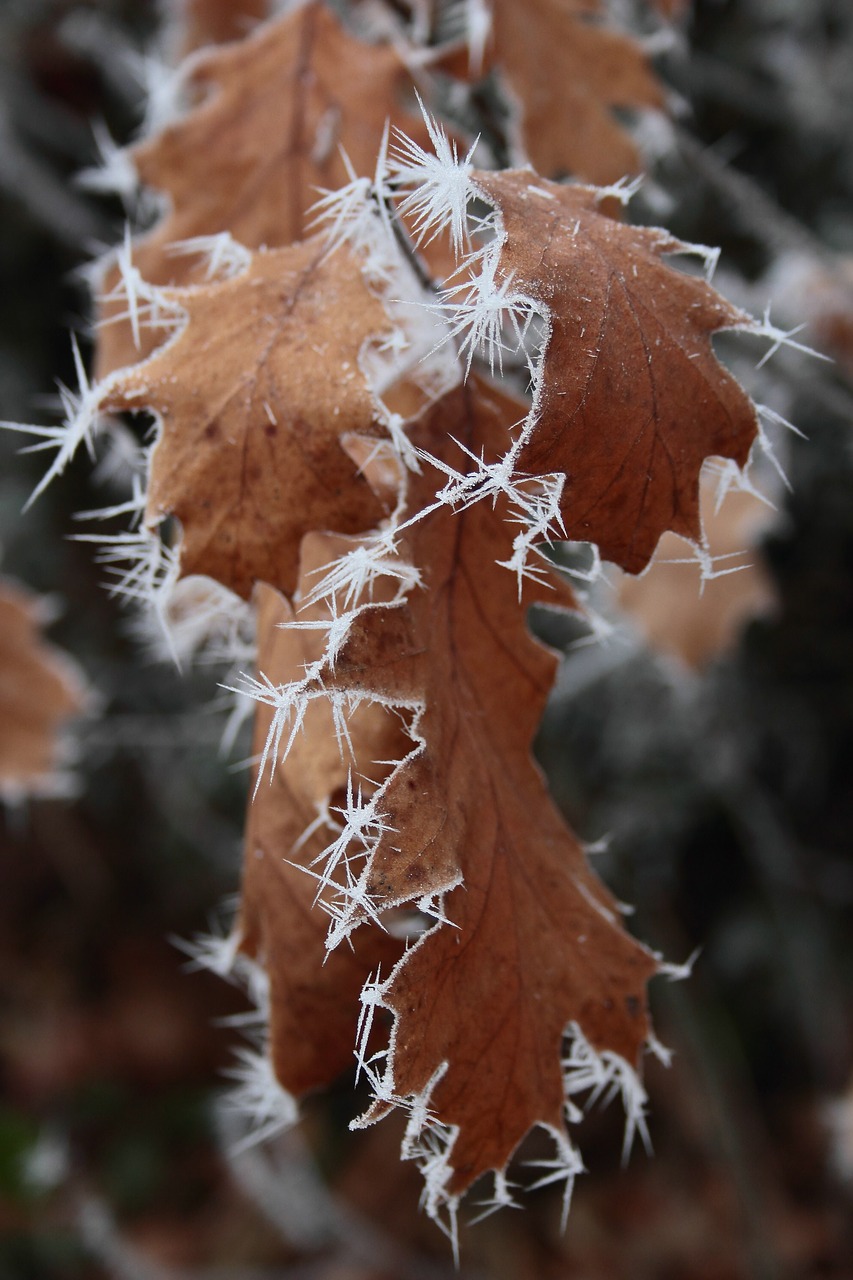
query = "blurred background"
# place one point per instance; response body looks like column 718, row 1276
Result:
column 714, row 765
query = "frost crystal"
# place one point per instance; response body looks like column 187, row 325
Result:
column 483, row 308
column 603, row 1076
column 258, row 1098
column 82, row 414
column 439, row 185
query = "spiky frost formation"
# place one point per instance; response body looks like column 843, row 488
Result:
column 200, row 621
column 437, row 187
column 360, row 827
column 257, row 1097
column 81, row 419
column 603, row 1077
column 589, row 1079
column 146, row 305
column 360, row 215
column 141, row 566
column 115, row 174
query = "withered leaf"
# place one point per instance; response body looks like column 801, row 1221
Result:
column 632, row 399
column 569, row 72
column 204, row 22
column 254, row 396
column 313, row 999
column 534, row 942
column 253, row 156
column 39, row 692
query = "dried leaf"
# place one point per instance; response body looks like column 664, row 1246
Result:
column 697, row 620
column 632, row 398
column 569, row 72
column 39, row 692
column 204, row 22
column 251, row 159
column 314, row 999
column 254, row 397
column 534, row 944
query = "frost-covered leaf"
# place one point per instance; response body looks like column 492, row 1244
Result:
column 630, row 397
column 254, row 396
column 313, row 999
column 252, row 157
column 533, row 941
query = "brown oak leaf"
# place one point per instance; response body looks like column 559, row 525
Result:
column 254, row 396
column 252, row 157
column 569, row 72
column 534, row 942
column 204, row 22
column 632, row 398
column 314, row 998
column 39, row 692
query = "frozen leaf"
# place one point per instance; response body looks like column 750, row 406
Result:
column 569, row 72
column 534, row 942
column 313, row 1000
column 254, row 396
column 251, row 159
column 39, row 692
column 630, row 397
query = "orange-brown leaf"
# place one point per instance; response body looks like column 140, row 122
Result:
column 313, row 999
column 534, row 942
column 39, row 692
column 204, row 22
column 251, row 158
column 254, row 396
column 633, row 399
column 697, row 621
column 569, row 72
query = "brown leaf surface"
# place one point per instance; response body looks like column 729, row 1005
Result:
column 39, row 692
column 535, row 941
column 679, row 614
column 569, row 72
column 254, row 396
column 314, row 1000
column 205, row 22
column 633, row 399
column 251, row 158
